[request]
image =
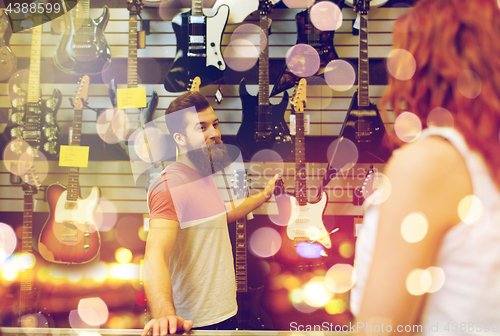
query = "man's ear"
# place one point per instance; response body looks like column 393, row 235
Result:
column 179, row 139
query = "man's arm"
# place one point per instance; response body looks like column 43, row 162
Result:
column 242, row 207
column 157, row 282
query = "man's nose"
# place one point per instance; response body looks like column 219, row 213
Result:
column 213, row 132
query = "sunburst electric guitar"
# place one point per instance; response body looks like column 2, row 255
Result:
column 70, row 235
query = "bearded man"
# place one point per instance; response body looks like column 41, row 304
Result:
column 189, row 273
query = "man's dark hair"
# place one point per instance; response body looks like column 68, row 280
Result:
column 176, row 121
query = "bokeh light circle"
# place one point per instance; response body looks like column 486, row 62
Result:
column 127, row 232
column 414, row 227
column 149, row 144
column 106, row 215
column 469, row 84
column 340, row 278
column 440, row 117
column 12, row 154
column 379, row 191
column 317, row 87
column 93, row 311
column 241, row 55
column 418, row 282
column 438, row 278
column 265, row 242
column 470, row 209
column 302, row 60
column 401, row 64
column 326, row 16
column 342, row 153
column 113, row 125
column 316, row 293
column 407, row 127
column 251, row 33
column 8, row 241
column 39, row 169
column 340, row 75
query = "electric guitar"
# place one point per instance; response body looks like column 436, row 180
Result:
column 83, row 48
column 199, row 40
column 364, row 126
column 145, row 114
column 250, row 314
column 8, row 60
column 263, row 125
column 70, row 235
column 33, row 119
column 321, row 41
column 305, row 226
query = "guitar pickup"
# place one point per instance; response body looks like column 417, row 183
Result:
column 197, row 19
column 71, row 205
column 197, row 39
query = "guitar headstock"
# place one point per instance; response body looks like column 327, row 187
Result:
column 240, row 186
column 194, row 84
column 135, row 6
column 300, row 97
column 362, row 6
column 265, row 7
column 31, row 182
column 82, row 93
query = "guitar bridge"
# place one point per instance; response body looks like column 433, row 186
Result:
column 69, row 232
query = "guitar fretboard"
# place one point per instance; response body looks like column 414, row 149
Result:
column 363, row 70
column 197, row 8
column 36, row 49
column 241, row 256
column 264, row 122
column 300, row 160
column 132, row 52
column 73, row 175
column 26, row 301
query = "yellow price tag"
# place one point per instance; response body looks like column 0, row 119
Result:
column 74, row 156
column 131, row 98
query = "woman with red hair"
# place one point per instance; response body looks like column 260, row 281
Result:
column 428, row 257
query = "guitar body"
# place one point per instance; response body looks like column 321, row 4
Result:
column 364, row 125
column 84, row 50
column 279, row 139
column 306, row 222
column 250, row 314
column 322, row 41
column 69, row 228
column 8, row 60
column 49, row 139
column 197, row 59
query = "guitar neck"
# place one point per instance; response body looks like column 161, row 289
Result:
column 27, row 278
column 132, row 52
column 264, row 62
column 300, row 160
column 241, row 256
column 73, row 175
column 36, row 49
column 363, row 70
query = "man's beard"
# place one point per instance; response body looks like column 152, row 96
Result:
column 210, row 159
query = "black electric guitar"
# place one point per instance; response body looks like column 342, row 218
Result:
column 145, row 114
column 364, row 126
column 8, row 60
column 250, row 314
column 263, row 125
column 306, row 237
column 198, row 53
column 83, row 48
column 321, row 41
column 33, row 119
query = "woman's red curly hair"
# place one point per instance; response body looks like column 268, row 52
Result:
column 446, row 38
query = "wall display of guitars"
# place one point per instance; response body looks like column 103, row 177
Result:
column 70, row 235
column 83, row 48
column 250, row 314
column 33, row 119
column 306, row 236
column 145, row 114
column 321, row 41
column 8, row 60
column 263, row 125
column 364, row 125
column 198, row 53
